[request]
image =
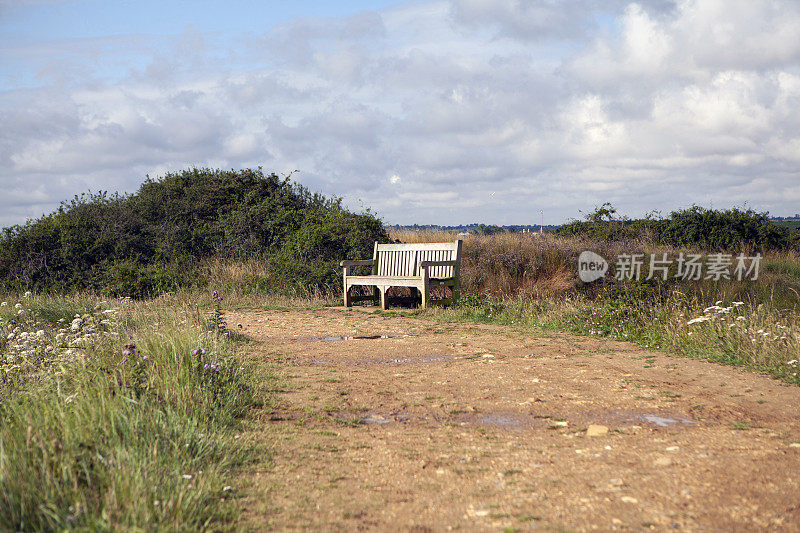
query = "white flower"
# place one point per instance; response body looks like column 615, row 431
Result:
column 18, row 306
column 718, row 302
column 187, row 476
column 40, row 333
column 27, row 294
column 698, row 319
column 4, row 304
column 737, row 304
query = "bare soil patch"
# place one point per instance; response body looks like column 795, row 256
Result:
column 424, row 426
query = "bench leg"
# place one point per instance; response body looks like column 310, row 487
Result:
column 347, row 302
column 424, row 291
column 376, row 295
column 383, row 291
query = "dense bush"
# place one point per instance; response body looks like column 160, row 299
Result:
column 152, row 241
column 709, row 229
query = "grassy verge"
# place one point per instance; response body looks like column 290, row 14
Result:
column 754, row 335
column 117, row 414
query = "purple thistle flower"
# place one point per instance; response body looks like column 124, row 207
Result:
column 144, row 358
column 126, row 353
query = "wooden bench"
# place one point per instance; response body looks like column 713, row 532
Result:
column 419, row 265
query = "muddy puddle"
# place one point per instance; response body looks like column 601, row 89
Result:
column 519, row 421
column 663, row 421
column 337, row 338
column 386, row 361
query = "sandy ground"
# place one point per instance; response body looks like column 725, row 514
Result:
column 439, row 427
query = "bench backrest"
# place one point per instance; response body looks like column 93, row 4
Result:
column 404, row 259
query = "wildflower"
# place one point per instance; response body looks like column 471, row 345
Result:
column 698, row 319
column 4, row 304
column 18, row 306
column 187, row 476
column 198, row 352
column 27, row 294
column 737, row 304
column 216, row 296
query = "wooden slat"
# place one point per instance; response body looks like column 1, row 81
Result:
column 417, row 246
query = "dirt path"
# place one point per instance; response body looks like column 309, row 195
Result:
column 485, row 428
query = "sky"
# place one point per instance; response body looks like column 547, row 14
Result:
column 422, row 111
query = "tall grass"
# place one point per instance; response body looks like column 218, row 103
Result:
column 116, row 415
column 530, row 279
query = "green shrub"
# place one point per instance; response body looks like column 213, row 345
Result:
column 151, row 242
column 730, row 230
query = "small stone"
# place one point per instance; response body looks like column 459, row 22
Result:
column 672, row 448
column 794, row 445
column 595, row 430
column 662, row 461
column 560, row 423
column 629, row 499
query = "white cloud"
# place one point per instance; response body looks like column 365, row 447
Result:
column 422, row 110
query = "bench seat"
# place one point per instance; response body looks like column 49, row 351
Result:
column 417, row 265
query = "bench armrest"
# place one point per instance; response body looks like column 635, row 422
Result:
column 426, row 264
column 358, row 262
